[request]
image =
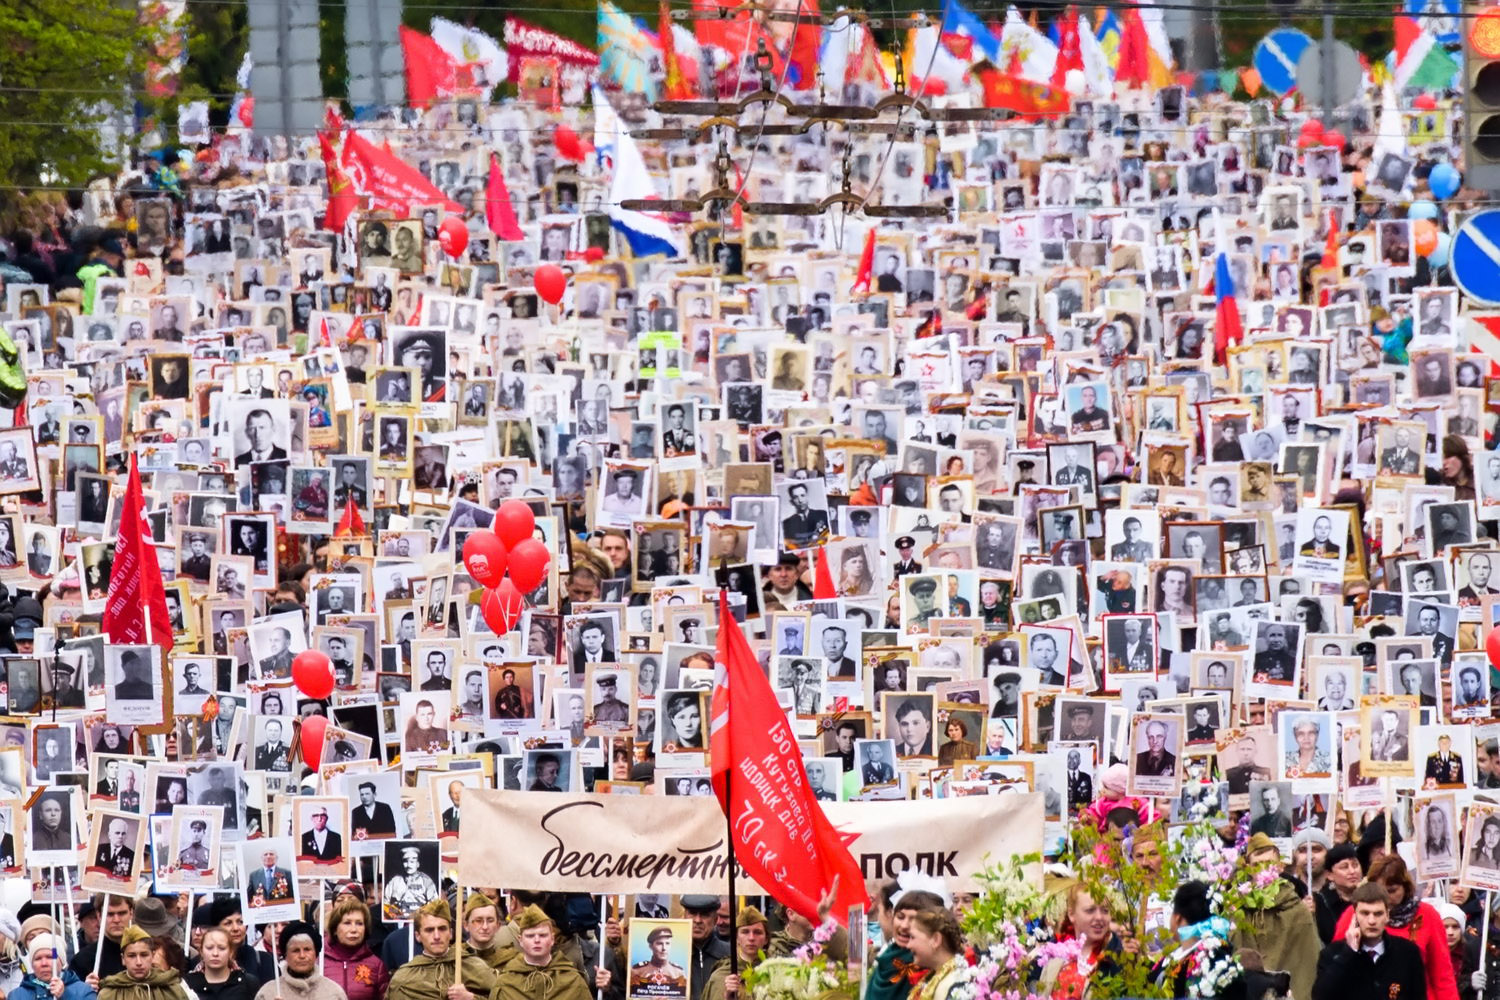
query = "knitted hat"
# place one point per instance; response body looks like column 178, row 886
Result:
column 1115, row 779
column 1340, row 852
column 1311, row 834
column 531, row 917
column 294, row 930
column 1449, row 911
column 36, row 924
column 47, row 942
column 132, row 934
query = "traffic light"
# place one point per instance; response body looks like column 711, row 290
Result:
column 1482, row 100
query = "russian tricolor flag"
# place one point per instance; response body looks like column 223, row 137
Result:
column 1227, row 326
column 959, row 20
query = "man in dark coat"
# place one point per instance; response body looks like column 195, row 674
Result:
column 1368, row 963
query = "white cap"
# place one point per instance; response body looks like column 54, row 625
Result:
column 42, row 942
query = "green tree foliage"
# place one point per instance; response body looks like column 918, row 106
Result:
column 64, row 65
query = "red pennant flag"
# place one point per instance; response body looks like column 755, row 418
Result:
column 781, row 838
column 823, row 589
column 135, row 609
column 499, row 213
column 866, row 264
column 350, row 524
column 342, row 198
column 390, row 181
column 430, row 72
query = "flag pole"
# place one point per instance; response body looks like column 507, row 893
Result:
column 734, row 949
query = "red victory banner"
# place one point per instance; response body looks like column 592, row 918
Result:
column 135, row 609
column 778, row 831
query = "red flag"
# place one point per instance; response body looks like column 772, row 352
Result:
column 866, row 263
column 342, row 198
column 1030, row 100
column 1069, row 54
column 135, row 609
column 499, row 213
column 350, row 523
column 390, row 181
column 1331, row 247
column 823, row 589
column 430, row 72
column 1134, row 67
column 807, row 38
column 676, row 88
column 781, row 838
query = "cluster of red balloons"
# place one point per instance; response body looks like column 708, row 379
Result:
column 1492, row 646
column 507, row 562
column 1314, row 133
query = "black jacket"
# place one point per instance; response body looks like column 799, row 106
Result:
column 239, row 986
column 1330, row 906
column 1348, row 975
column 109, row 963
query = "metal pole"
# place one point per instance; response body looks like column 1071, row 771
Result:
column 1326, row 69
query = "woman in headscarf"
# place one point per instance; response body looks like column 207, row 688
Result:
column 299, row 944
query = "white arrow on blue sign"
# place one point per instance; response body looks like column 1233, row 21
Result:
column 1475, row 257
column 1276, row 58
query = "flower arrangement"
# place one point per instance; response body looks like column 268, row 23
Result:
column 806, row 974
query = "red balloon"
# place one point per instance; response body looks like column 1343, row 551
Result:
column 1308, row 140
column 514, row 523
column 528, row 564
column 550, row 283
column 314, row 728
column 453, row 236
column 1492, row 646
column 484, row 557
column 1335, row 139
column 312, row 672
column 593, row 254
column 1312, row 127
column 569, row 145
column 502, row 607
column 1424, row 102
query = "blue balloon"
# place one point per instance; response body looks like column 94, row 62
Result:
column 1439, row 255
column 1444, row 181
column 1422, row 209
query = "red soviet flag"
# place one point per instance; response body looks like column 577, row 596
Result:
column 135, row 609
column 342, row 198
column 780, row 835
column 391, row 182
column 430, row 71
column 499, row 213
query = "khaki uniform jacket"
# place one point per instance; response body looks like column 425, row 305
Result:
column 559, row 979
column 428, row 978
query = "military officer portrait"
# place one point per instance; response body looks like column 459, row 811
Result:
column 194, row 854
column 659, row 959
